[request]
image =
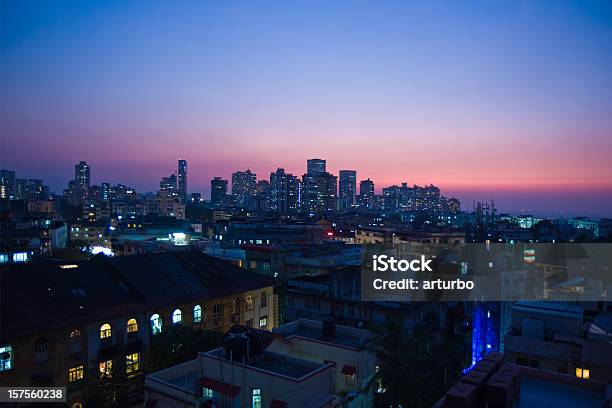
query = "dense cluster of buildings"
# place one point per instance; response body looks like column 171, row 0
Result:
column 93, row 278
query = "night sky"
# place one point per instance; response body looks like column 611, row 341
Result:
column 508, row 102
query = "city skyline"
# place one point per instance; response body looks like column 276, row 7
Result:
column 467, row 198
column 509, row 102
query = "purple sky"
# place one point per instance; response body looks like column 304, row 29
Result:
column 508, row 102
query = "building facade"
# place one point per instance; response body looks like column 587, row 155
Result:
column 90, row 319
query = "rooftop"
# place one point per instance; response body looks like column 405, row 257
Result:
column 74, row 292
column 545, row 393
column 496, row 383
column 551, row 308
column 274, row 363
column 313, row 329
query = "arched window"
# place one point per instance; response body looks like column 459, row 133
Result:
column 177, row 316
column 105, row 331
column 156, row 324
column 264, row 299
column 132, row 326
column 197, row 314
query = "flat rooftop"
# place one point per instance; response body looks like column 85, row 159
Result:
column 536, row 388
column 537, row 392
column 550, row 308
column 313, row 329
column 186, row 381
column 275, row 363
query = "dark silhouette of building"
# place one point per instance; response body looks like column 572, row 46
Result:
column 284, row 191
column 82, row 174
column 218, row 192
column 314, row 166
column 347, row 188
column 182, row 179
column 319, row 192
column 244, row 187
column 169, row 184
column 366, row 193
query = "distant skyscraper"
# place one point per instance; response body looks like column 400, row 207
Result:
column 347, row 188
column 82, row 174
column 105, row 191
column 284, row 192
column 21, row 189
column 78, row 189
column 182, row 179
column 35, row 188
column 169, row 184
column 7, row 183
column 244, row 186
column 314, row 166
column 319, row 191
column 366, row 193
column 396, row 198
column 294, row 193
column 218, row 192
column 278, row 188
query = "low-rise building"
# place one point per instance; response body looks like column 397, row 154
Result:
column 556, row 337
column 350, row 350
column 301, row 364
column 497, row 383
column 84, row 319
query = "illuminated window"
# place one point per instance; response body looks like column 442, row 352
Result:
column 132, row 363
column 20, row 257
column 197, row 314
column 249, row 302
column 583, row 373
column 105, row 331
column 106, row 369
column 208, row 393
column 256, row 399
column 177, row 316
column 349, row 380
column 263, row 321
column 6, row 358
column 77, row 405
column 70, row 266
column 264, row 299
column 132, row 326
column 156, row 324
column 75, row 373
